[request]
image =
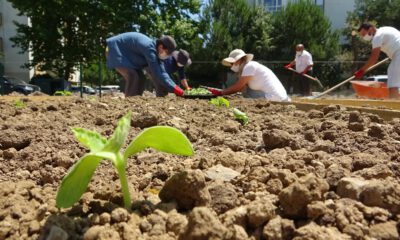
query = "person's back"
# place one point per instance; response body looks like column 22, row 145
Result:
column 139, row 47
column 263, row 79
column 388, row 39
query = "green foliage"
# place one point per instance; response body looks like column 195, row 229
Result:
column 65, row 33
column 63, row 93
column 19, row 104
column 220, row 102
column 161, row 138
column 304, row 22
column 240, row 116
column 197, row 91
column 383, row 12
column 227, row 25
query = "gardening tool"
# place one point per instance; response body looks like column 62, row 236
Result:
column 308, row 76
column 202, row 86
column 347, row 80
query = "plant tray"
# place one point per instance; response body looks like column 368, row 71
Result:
column 199, row 96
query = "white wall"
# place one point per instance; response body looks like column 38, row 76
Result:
column 337, row 10
column 12, row 59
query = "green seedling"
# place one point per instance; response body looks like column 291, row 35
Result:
column 240, row 116
column 19, row 104
column 220, row 102
column 161, row 138
column 197, row 91
column 63, row 93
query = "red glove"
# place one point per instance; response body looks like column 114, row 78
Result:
column 359, row 74
column 215, row 92
column 178, row 91
column 288, row 66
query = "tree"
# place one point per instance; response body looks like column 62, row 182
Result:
column 227, row 25
column 65, row 33
column 304, row 22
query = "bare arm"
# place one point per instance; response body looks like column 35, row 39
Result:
column 373, row 58
column 184, row 83
column 238, row 86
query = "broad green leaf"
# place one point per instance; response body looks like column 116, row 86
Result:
column 76, row 181
column 90, row 139
column 118, row 138
column 240, row 116
column 162, row 138
column 219, row 102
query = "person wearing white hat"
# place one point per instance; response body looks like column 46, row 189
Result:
column 255, row 79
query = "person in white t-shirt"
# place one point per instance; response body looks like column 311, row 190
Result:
column 387, row 40
column 254, row 78
column 304, row 63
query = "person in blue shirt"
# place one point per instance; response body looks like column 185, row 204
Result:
column 132, row 52
column 176, row 63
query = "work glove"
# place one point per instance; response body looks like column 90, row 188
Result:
column 288, row 66
column 215, row 92
column 358, row 74
column 178, row 91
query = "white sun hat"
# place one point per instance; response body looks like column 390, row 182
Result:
column 236, row 55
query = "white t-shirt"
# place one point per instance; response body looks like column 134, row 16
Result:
column 388, row 39
column 303, row 61
column 264, row 80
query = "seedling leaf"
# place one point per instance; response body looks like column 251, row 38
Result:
column 76, row 181
column 118, row 138
column 240, row 116
column 161, row 138
column 219, row 102
column 90, row 139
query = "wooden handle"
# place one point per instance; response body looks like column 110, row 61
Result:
column 349, row 79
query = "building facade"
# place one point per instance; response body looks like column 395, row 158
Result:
column 11, row 60
column 335, row 10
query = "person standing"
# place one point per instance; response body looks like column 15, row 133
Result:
column 257, row 80
column 304, row 63
column 387, row 40
column 177, row 63
column 129, row 53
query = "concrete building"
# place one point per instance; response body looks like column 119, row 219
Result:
column 11, row 59
column 335, row 10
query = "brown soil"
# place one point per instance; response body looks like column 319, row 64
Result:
column 321, row 174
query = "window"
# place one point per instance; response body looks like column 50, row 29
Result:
column 273, row 5
column 320, row 3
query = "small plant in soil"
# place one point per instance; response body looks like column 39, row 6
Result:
column 63, row 93
column 220, row 102
column 161, row 138
column 19, row 104
column 240, row 116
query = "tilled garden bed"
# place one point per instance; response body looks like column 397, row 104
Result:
column 287, row 174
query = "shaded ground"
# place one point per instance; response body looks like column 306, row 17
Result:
column 329, row 174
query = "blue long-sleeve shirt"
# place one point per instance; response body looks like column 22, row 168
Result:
column 135, row 50
column 171, row 67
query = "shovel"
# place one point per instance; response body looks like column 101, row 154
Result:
column 308, row 76
column 347, row 80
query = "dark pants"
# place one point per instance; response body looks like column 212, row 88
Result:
column 134, row 81
column 304, row 84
